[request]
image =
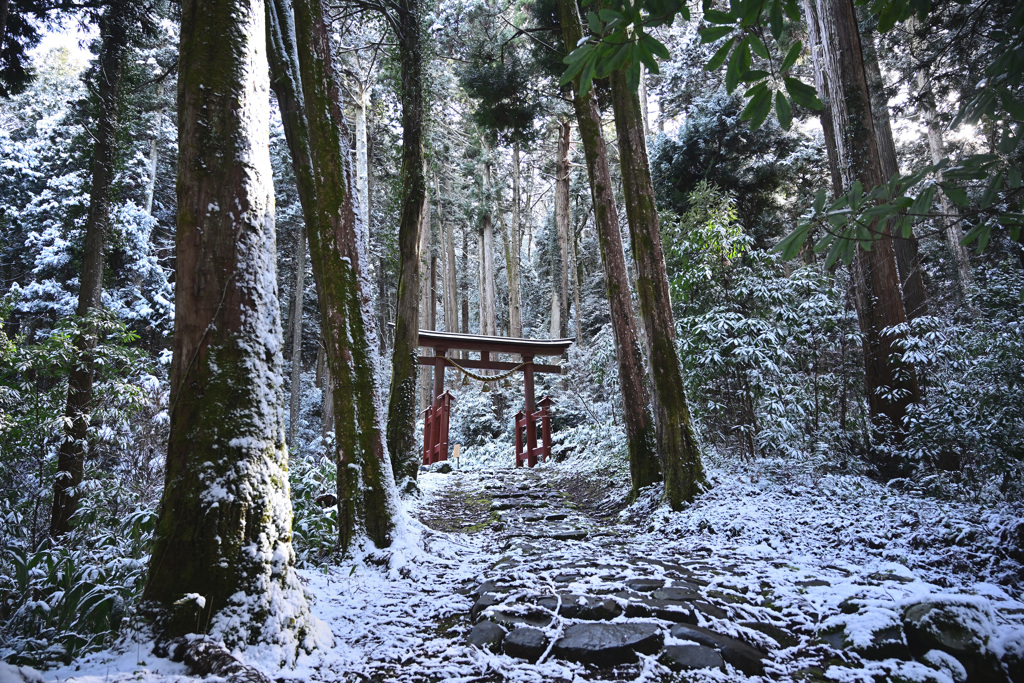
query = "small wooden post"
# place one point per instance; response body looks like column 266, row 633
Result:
column 439, row 366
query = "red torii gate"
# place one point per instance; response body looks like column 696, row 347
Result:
column 435, row 418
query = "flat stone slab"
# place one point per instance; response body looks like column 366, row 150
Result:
column 669, row 610
column 645, row 585
column 584, row 607
column 747, row 659
column 608, row 644
column 688, row 657
column 526, row 643
column 486, row 635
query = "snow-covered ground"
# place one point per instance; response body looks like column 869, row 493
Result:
column 813, row 555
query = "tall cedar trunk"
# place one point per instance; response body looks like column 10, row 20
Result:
column 677, row 444
column 644, row 466
column 451, row 311
column 224, row 528
column 154, row 151
column 296, row 325
column 310, row 103
column 426, row 323
column 361, row 106
column 72, row 452
column 891, row 386
column 908, row 257
column 488, row 306
column 937, row 149
column 562, row 218
column 402, row 401
column 515, row 306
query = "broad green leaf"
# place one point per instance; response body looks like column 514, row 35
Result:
column 754, row 75
column 713, row 33
column 819, row 201
column 609, row 15
column 736, row 66
column 992, row 190
column 794, row 53
column 1013, row 178
column 758, row 46
column 718, row 58
column 791, row 245
column 587, row 75
column 751, row 12
column 758, row 107
column 594, row 23
column 715, row 17
column 618, row 58
column 792, row 10
column 775, row 20
column 783, row 110
column 955, row 193
column 803, row 94
column 654, row 45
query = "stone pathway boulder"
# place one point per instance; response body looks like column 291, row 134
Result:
column 608, row 644
column 486, row 635
column 525, row 642
column 747, row 659
column 688, row 657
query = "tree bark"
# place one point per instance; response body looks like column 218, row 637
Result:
column 937, row 149
column 224, row 528
column 361, row 105
column 310, row 103
column 300, row 288
column 680, row 454
column 891, row 386
column 641, row 441
column 908, row 257
column 72, row 451
column 426, row 323
column 451, row 310
column 515, row 306
column 562, row 227
column 402, row 402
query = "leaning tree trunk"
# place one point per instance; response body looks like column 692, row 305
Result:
column 644, row 467
column 562, row 218
column 891, row 386
column 402, row 401
column 908, row 257
column 71, row 455
column 310, row 103
column 222, row 555
column 680, row 454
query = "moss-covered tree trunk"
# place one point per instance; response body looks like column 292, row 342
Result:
column 308, row 95
column 644, row 466
column 222, row 555
column 891, row 386
column 295, row 393
column 677, row 444
column 71, row 455
column 402, row 400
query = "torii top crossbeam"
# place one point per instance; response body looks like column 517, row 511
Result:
column 527, row 349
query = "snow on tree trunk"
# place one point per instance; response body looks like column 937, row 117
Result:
column 426, row 377
column 451, row 310
column 309, row 99
column 640, row 434
column 71, row 454
column 562, row 217
column 891, row 386
column 296, row 325
column 154, row 152
column 222, row 556
column 677, row 444
column 515, row 306
column 908, row 258
column 361, row 105
column 402, row 401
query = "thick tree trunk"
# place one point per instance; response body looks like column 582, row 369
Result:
column 515, row 306
column 426, row 322
column 296, row 325
column 937, row 149
column 402, row 401
column 451, row 310
column 562, row 218
column 361, row 106
column 891, row 386
column 72, row 452
column 908, row 258
column 224, row 529
column 680, row 454
column 154, row 152
column 641, row 440
column 310, row 104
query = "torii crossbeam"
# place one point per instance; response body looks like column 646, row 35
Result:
column 435, row 425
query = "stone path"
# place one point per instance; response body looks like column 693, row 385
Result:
column 569, row 583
